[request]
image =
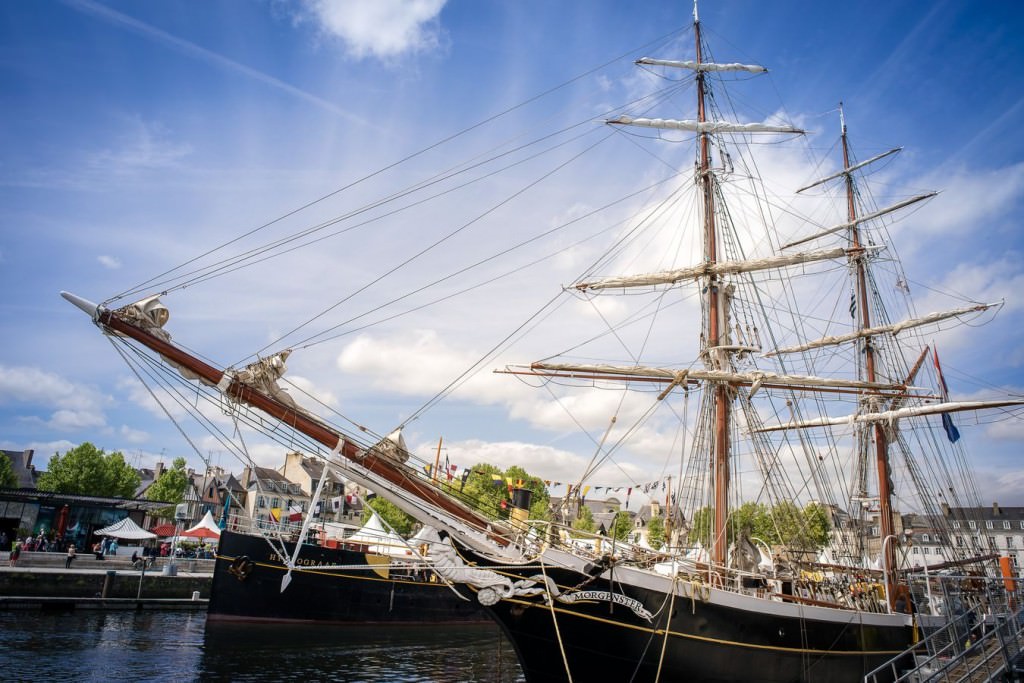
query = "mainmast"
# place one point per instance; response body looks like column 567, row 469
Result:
column 857, row 257
column 715, row 324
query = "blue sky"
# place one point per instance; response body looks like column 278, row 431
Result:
column 135, row 135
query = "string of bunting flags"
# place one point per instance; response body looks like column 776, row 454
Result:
column 454, row 474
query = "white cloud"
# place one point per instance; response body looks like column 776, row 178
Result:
column 75, row 406
column 133, row 436
column 141, row 146
column 111, row 262
column 970, row 200
column 381, row 28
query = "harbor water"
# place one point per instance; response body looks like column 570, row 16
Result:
column 87, row 645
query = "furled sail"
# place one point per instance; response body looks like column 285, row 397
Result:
column 704, row 126
column 719, row 268
column 894, row 328
column 862, row 219
column 851, row 169
column 702, row 66
column 889, row 416
column 756, row 378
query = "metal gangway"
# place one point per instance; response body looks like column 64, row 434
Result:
column 972, row 638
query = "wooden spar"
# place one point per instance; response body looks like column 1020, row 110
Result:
column 330, row 439
column 715, row 326
column 571, row 374
column 885, row 517
column 902, row 398
column 437, row 459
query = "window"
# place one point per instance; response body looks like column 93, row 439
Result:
column 972, row 524
column 924, row 538
column 261, row 502
column 956, row 525
column 926, row 550
column 1009, row 541
column 988, row 524
column 1022, row 524
column 1006, row 524
column 959, row 541
column 275, row 502
column 916, row 550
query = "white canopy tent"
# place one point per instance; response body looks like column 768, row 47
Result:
column 206, row 528
column 126, row 529
column 378, row 540
column 207, row 522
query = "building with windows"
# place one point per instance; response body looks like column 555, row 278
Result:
column 269, row 494
column 959, row 532
column 306, row 471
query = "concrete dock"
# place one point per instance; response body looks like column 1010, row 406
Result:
column 40, row 581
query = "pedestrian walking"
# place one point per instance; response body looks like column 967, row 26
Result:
column 71, row 556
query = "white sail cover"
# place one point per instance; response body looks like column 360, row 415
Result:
column 851, row 169
column 891, row 416
column 720, row 268
column 126, row 529
column 703, row 66
column 862, row 219
column 705, row 126
column 894, row 328
column 756, row 378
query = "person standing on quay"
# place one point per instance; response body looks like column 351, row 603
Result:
column 15, row 554
column 71, row 556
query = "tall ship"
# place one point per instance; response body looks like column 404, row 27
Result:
column 804, row 386
column 372, row 577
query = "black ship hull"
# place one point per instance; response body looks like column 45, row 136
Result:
column 612, row 628
column 247, row 587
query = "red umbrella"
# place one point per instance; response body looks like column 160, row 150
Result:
column 201, row 532
column 163, row 530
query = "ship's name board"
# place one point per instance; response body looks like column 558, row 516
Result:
column 300, row 562
column 607, row 596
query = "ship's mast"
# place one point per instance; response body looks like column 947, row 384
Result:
column 714, row 323
column 885, row 517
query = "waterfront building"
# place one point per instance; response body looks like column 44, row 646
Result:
column 957, row 530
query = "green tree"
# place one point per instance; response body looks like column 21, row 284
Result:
column 395, row 518
column 621, row 526
column 171, row 484
column 491, row 496
column 656, row 532
column 8, row 479
column 784, row 524
column 585, row 521
column 87, row 470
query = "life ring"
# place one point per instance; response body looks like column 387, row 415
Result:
column 241, row 567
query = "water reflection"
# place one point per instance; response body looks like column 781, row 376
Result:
column 181, row 646
column 250, row 652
